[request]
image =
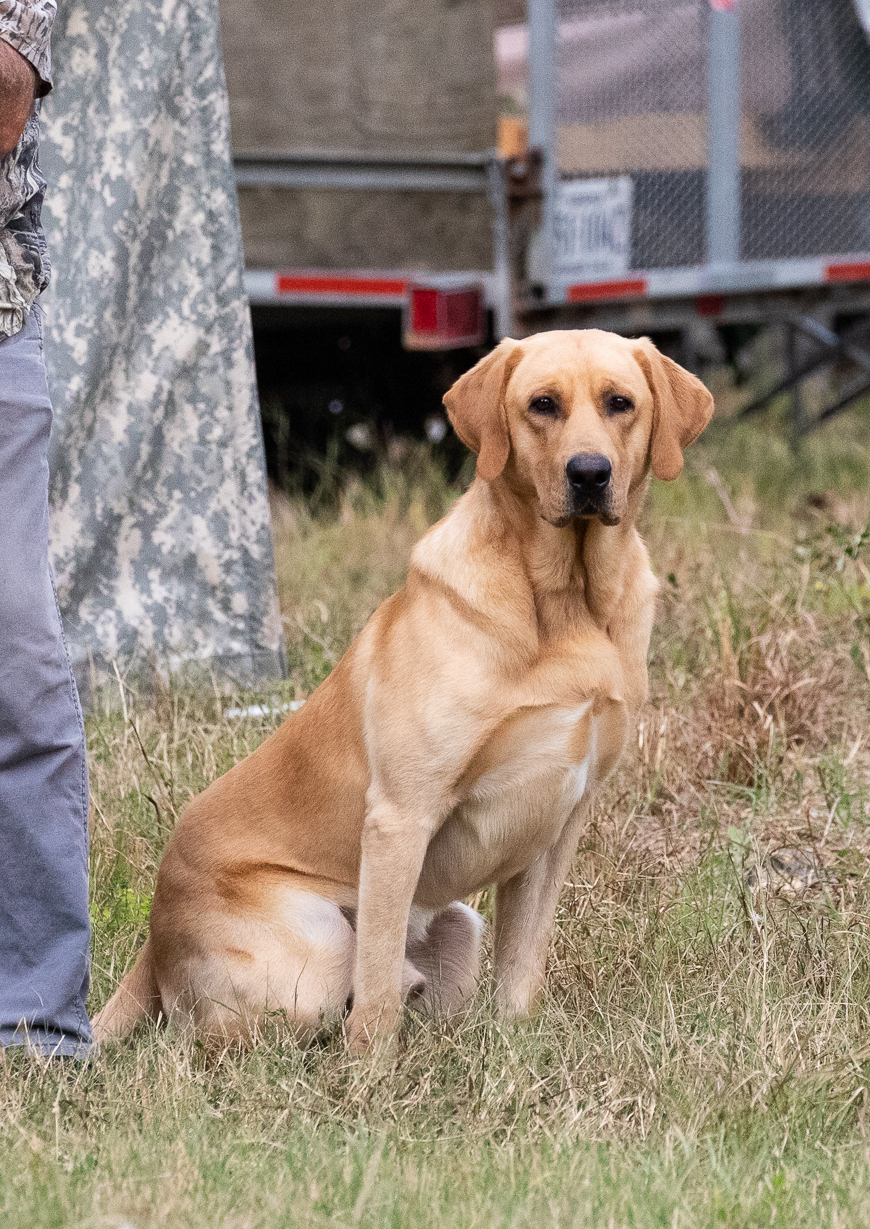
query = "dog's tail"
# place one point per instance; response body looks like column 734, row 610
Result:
column 137, row 998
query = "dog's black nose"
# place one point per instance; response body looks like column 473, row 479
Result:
column 588, row 472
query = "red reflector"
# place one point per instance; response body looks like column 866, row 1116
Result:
column 630, row 288
column 859, row 271
column 462, row 313
column 444, row 318
column 293, row 283
column 710, row 304
column 424, row 310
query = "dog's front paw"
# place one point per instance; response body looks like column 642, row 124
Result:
column 357, row 1037
column 368, row 1031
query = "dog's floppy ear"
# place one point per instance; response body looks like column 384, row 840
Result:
column 475, row 404
column 682, row 407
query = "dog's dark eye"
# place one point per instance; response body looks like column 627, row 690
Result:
column 618, row 404
column 543, row 405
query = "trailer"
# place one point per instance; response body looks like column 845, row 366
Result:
column 700, row 166
column 365, row 160
column 694, row 169
column 373, row 212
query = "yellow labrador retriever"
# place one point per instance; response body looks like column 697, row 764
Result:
column 456, row 745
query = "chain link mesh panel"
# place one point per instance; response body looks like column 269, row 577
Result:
column 805, row 131
column 631, row 99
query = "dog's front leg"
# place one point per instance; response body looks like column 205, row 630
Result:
column 524, row 912
column 394, row 844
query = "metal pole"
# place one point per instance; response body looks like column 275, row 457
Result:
column 543, row 26
column 723, row 176
column 503, row 314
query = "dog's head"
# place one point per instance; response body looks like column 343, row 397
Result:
column 575, row 420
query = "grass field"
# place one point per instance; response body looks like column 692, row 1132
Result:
column 702, row 1056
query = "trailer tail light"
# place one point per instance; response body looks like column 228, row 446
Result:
column 444, row 317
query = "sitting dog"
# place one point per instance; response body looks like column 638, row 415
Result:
column 456, row 745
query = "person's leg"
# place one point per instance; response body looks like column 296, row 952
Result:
column 44, row 925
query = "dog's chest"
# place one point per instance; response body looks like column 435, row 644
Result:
column 515, row 800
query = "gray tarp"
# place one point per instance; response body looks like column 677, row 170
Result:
column 161, row 539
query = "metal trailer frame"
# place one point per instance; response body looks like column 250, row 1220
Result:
column 481, row 173
column 819, row 302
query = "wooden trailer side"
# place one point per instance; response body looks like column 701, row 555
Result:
column 400, row 77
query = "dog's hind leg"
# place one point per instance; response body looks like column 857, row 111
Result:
column 447, row 954
column 290, row 972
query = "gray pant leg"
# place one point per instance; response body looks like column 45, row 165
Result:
column 44, row 924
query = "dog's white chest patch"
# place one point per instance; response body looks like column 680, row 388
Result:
column 533, row 774
column 552, row 743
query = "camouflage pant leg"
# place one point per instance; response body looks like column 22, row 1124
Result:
column 44, row 925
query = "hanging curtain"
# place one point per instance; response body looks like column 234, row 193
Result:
column 161, row 537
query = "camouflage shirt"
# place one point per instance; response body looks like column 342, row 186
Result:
column 24, row 268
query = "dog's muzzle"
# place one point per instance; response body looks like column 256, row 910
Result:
column 589, row 489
